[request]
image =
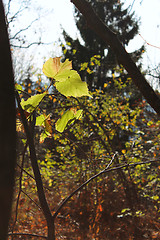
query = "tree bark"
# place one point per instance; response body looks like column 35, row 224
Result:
column 7, row 128
column 95, row 23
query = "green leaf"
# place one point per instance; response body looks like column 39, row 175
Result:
column 155, row 197
column 68, row 117
column 40, row 120
column 44, row 121
column 18, row 87
column 68, row 82
column 43, row 136
column 31, row 103
column 125, row 210
column 78, row 114
column 53, row 68
column 73, row 86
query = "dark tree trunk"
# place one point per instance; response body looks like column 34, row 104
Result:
column 7, row 128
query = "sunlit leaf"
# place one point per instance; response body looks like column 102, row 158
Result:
column 43, row 136
column 78, row 114
column 123, row 151
column 31, row 103
column 53, row 68
column 44, row 121
column 67, row 118
column 73, row 86
column 18, row 87
column 40, row 120
column 19, row 126
column 67, row 81
column 155, row 197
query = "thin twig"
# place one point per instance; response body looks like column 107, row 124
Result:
column 31, row 199
column 29, row 45
column 26, row 234
column 131, row 165
column 148, row 43
column 23, row 29
column 98, row 174
column 31, row 176
column 20, row 186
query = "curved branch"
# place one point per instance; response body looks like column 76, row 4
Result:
column 26, row 234
column 24, row 29
column 106, row 170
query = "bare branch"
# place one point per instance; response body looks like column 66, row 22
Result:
column 20, row 185
column 23, row 29
column 149, row 43
column 29, row 45
column 26, row 234
column 14, row 16
column 130, row 165
column 106, row 170
column 31, row 199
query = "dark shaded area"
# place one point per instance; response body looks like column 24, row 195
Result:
column 7, row 128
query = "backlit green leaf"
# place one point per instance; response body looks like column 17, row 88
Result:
column 73, row 86
column 40, row 120
column 67, row 118
column 53, row 68
column 31, row 103
column 18, row 87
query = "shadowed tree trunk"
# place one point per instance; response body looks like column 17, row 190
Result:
column 7, row 128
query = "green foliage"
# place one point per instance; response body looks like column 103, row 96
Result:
column 92, row 56
column 18, row 87
column 68, row 117
column 73, row 86
column 67, row 81
column 31, row 103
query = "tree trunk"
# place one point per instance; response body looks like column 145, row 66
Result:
column 51, row 231
column 7, row 128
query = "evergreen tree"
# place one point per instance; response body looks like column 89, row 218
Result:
column 119, row 21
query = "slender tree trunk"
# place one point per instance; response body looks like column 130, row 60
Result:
column 51, row 231
column 7, row 128
column 40, row 190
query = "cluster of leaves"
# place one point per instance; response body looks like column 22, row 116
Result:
column 68, row 83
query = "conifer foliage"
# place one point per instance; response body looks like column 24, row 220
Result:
column 120, row 21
